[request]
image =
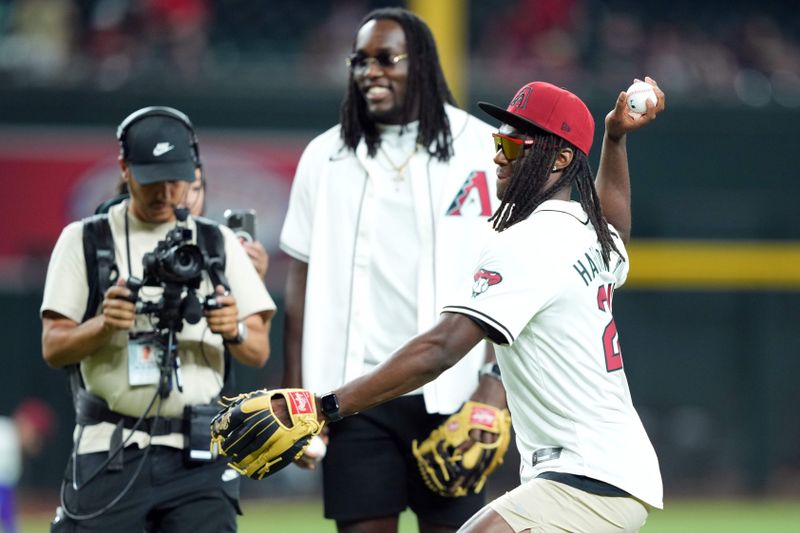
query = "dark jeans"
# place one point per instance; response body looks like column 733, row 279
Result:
column 167, row 496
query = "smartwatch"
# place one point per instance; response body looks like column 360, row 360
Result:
column 330, row 407
column 241, row 334
column 490, row 369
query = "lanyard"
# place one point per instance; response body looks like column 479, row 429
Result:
column 128, row 243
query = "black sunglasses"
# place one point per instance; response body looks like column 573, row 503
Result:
column 359, row 62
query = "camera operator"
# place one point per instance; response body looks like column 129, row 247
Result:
column 150, row 372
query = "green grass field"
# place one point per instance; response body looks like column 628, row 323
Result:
column 741, row 516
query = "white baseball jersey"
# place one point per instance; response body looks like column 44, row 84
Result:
column 543, row 289
column 373, row 250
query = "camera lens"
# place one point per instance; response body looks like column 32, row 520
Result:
column 187, row 262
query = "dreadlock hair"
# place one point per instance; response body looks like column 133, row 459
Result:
column 526, row 190
column 427, row 91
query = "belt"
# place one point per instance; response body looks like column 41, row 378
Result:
column 545, row 454
column 91, row 409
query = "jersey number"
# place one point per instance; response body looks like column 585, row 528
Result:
column 605, row 297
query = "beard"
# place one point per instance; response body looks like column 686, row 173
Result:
column 394, row 115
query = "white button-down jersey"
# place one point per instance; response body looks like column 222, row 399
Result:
column 546, row 295
column 335, row 206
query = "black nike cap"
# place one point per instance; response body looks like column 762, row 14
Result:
column 159, row 148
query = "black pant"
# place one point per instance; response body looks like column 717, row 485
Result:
column 370, row 472
column 166, row 496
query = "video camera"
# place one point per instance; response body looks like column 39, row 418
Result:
column 174, row 260
column 176, row 265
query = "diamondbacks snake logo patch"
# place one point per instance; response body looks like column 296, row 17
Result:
column 483, row 280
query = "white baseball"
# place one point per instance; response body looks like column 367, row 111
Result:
column 316, row 448
column 638, row 95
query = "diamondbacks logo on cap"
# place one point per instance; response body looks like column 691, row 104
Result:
column 520, row 100
column 483, row 280
column 301, row 403
column 162, row 148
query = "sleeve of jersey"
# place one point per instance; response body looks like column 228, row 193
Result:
column 620, row 264
column 66, row 288
column 295, row 237
column 507, row 289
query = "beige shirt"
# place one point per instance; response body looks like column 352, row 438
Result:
column 105, row 372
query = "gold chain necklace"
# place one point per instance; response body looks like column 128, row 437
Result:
column 399, row 169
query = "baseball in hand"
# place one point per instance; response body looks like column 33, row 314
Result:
column 638, row 95
column 316, row 448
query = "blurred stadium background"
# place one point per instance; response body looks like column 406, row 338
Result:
column 709, row 319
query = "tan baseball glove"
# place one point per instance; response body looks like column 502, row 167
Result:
column 449, row 470
column 249, row 432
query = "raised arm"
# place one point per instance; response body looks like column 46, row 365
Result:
column 613, row 181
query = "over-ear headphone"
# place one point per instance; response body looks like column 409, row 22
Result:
column 156, row 110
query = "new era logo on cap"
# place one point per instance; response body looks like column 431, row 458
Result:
column 550, row 108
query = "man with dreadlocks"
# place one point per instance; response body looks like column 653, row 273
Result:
column 387, row 216
column 587, row 463
column 542, row 291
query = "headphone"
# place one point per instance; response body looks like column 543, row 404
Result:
column 152, row 111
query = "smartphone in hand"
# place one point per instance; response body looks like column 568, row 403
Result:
column 242, row 222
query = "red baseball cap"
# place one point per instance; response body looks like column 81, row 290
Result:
column 550, row 108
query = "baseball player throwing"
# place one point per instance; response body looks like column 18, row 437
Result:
column 543, row 292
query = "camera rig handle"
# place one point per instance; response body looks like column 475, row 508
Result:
column 216, row 272
column 133, row 284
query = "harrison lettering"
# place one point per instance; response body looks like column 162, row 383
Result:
column 590, row 265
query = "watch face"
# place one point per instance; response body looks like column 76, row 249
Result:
column 329, row 403
column 330, row 407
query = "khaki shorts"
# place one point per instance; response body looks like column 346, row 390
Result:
column 542, row 505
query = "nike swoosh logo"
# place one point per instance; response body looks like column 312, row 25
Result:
column 162, row 148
